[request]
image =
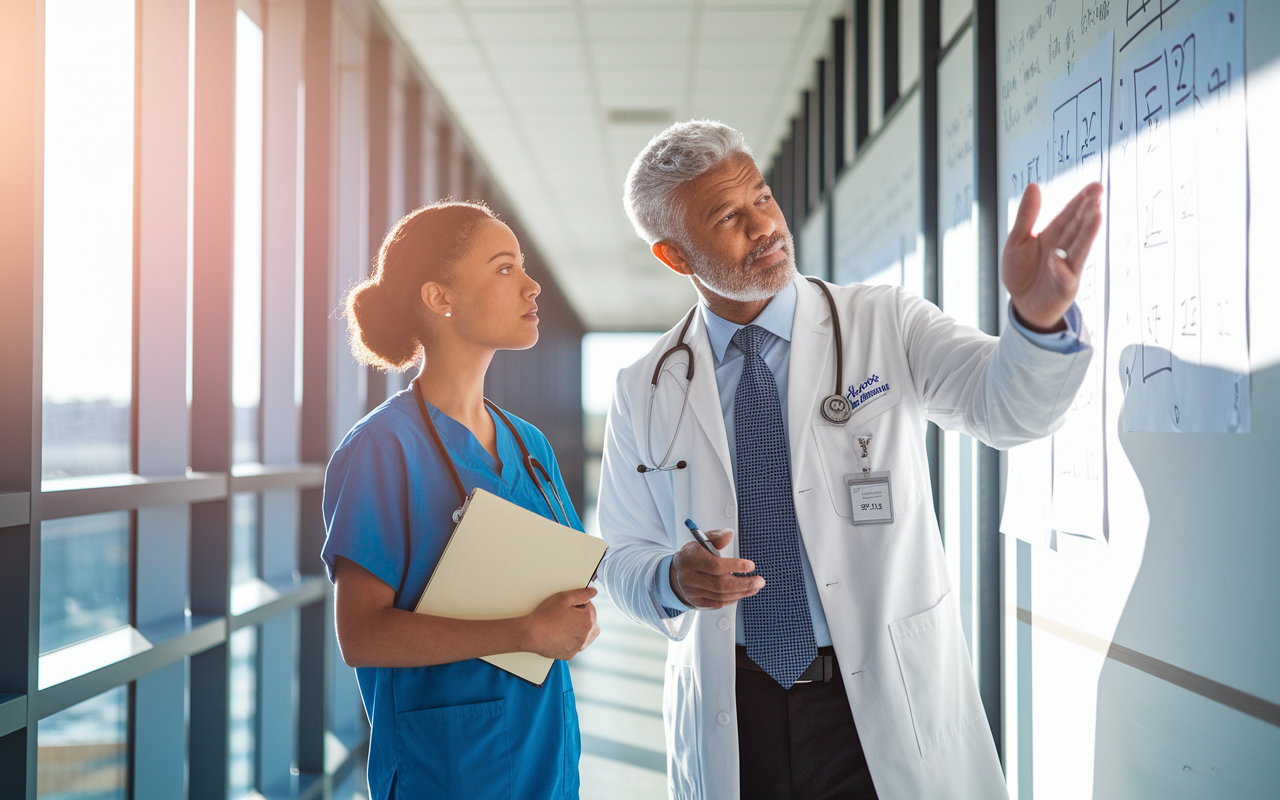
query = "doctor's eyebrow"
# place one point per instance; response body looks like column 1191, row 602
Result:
column 715, row 212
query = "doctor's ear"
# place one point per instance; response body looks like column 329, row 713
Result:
column 436, row 298
column 671, row 255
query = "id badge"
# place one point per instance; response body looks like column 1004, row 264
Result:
column 872, row 499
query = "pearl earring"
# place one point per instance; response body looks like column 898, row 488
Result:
column 448, row 313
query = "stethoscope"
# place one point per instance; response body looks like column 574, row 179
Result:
column 835, row 407
column 531, row 464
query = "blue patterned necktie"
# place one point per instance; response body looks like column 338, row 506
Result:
column 778, row 628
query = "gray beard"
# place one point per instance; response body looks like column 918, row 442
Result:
column 735, row 283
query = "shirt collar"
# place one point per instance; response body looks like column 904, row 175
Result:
column 776, row 318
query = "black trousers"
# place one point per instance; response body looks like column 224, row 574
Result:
column 800, row 742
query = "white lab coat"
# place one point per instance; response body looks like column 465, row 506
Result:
column 894, row 620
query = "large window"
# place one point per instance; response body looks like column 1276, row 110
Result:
column 84, row 577
column 88, row 236
column 244, row 696
column 87, row 390
column 83, row 750
column 183, row 640
column 246, row 383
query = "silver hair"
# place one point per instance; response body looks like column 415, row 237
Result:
column 671, row 159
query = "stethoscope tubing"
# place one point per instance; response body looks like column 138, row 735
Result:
column 531, row 464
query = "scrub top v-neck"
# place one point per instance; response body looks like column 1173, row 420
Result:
column 466, row 729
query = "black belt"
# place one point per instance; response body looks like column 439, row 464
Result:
column 822, row 669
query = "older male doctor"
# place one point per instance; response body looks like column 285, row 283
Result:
column 819, row 654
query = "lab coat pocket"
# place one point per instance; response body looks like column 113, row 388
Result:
column 572, row 745
column 681, row 707
column 935, row 670
column 454, row 752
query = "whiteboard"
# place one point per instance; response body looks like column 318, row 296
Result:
column 1175, row 577
column 876, row 207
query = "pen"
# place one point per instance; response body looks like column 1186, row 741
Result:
column 701, row 537
column 706, row 544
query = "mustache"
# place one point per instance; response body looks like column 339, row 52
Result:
column 750, row 260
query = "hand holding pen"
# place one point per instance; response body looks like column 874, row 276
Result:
column 701, row 578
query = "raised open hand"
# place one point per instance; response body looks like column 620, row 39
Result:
column 1042, row 272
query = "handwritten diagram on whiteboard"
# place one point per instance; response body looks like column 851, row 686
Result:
column 1077, row 104
column 1059, row 482
column 1178, row 241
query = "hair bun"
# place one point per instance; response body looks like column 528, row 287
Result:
column 380, row 339
column 384, row 311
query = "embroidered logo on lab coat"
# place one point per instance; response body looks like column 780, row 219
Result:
column 867, row 391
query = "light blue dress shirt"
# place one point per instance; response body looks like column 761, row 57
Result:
column 777, row 319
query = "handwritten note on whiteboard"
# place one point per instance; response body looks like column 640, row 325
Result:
column 1077, row 104
column 1178, row 242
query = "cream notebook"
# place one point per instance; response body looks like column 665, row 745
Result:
column 502, row 561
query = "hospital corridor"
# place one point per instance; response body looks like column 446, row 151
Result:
column 639, row 399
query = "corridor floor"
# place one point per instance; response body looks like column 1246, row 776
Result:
column 618, row 685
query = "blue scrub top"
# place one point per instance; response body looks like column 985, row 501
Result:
column 462, row 730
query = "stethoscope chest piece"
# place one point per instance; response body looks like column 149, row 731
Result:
column 836, row 409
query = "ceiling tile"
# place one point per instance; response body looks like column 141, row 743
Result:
column 743, row 52
column 423, row 27
column 525, row 26
column 460, row 83
column 502, row 5
column 552, row 104
column 661, row 24
column 536, row 55
column 552, row 119
column 614, row 54
column 667, row 101
column 532, row 82
column 545, row 81
column 778, row 26
column 647, row 79
column 454, row 55
column 760, row 82
column 637, row 4
column 401, row 6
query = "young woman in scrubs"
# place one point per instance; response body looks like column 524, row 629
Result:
column 450, row 289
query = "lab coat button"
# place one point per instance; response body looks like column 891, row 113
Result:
column 723, row 718
column 729, row 511
column 723, row 623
